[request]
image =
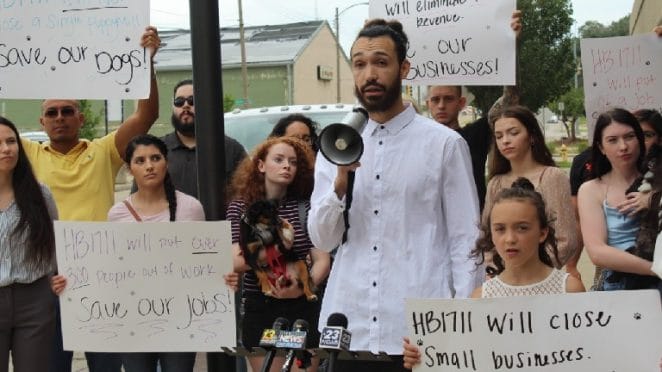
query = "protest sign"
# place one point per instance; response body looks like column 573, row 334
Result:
column 145, row 286
column 588, row 332
column 455, row 42
column 621, row 72
column 73, row 49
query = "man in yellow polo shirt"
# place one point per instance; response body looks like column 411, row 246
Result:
column 81, row 174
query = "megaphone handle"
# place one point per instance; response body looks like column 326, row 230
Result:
column 348, row 202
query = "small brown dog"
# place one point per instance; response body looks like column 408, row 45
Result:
column 266, row 243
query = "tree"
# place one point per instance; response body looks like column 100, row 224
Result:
column 228, row 103
column 545, row 61
column 592, row 29
column 573, row 108
column 92, row 120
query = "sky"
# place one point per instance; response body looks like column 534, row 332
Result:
column 175, row 13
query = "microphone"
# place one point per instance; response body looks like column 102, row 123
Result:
column 294, row 340
column 269, row 340
column 335, row 338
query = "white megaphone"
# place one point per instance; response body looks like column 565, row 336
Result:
column 341, row 143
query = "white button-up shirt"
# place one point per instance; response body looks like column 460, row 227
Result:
column 413, row 223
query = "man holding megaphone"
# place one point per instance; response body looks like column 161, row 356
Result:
column 414, row 212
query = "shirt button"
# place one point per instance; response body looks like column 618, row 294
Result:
column 380, row 142
column 377, row 176
column 381, row 127
column 376, row 212
column 374, row 318
column 374, row 248
column 374, row 284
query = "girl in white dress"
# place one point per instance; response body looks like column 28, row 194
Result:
column 516, row 232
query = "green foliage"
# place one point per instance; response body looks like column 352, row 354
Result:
column 92, row 120
column 592, row 29
column 573, row 101
column 545, row 59
column 581, row 145
column 228, row 103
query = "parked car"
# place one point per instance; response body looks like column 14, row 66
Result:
column 553, row 119
column 39, row 136
column 252, row 126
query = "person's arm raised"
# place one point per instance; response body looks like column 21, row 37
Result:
column 148, row 109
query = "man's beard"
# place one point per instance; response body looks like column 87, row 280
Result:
column 390, row 97
column 187, row 130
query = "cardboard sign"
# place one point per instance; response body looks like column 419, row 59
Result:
column 590, row 332
column 621, row 72
column 459, row 42
column 73, row 49
column 146, row 286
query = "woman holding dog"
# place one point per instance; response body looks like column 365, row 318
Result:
column 522, row 153
column 608, row 213
column 281, row 169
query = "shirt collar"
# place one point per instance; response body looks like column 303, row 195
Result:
column 80, row 146
column 395, row 125
column 173, row 142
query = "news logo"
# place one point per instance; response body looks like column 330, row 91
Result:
column 269, row 338
column 291, row 340
column 335, row 338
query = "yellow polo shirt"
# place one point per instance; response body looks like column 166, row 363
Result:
column 83, row 180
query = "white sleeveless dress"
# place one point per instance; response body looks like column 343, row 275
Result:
column 555, row 283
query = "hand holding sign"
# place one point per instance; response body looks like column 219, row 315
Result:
column 531, row 333
column 53, row 49
column 455, row 42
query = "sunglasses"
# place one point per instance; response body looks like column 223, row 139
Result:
column 67, row 111
column 179, row 101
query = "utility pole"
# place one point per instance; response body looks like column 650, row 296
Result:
column 244, row 68
column 337, row 19
column 337, row 56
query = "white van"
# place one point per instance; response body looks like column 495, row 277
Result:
column 252, row 126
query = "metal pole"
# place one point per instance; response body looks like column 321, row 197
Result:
column 210, row 134
column 244, row 68
column 208, row 90
column 337, row 56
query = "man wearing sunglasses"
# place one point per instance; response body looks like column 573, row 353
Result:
column 181, row 143
column 81, row 175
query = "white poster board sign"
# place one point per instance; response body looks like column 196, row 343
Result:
column 464, row 42
column 146, row 286
column 623, row 72
column 589, row 332
column 73, row 49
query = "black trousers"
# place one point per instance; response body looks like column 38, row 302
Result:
column 27, row 325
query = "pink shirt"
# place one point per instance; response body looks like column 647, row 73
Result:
column 188, row 209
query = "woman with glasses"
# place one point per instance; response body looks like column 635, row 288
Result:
column 299, row 126
column 651, row 125
column 27, row 259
